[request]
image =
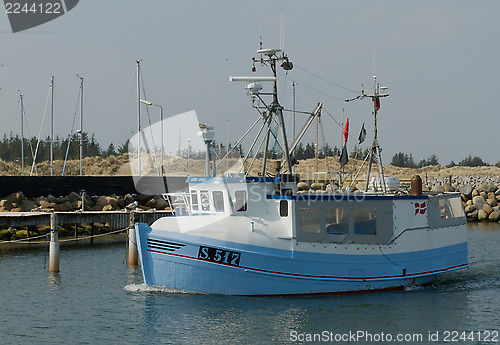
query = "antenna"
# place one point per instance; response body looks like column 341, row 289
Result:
column 282, row 31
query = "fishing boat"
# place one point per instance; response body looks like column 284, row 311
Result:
column 263, row 236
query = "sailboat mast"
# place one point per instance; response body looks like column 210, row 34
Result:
column 81, row 126
column 138, row 120
column 52, row 127
column 22, row 135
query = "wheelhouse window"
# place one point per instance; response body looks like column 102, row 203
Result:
column 205, row 202
column 365, row 221
column 194, row 200
column 283, row 208
column 240, row 200
column 337, row 221
column 308, row 220
column 218, row 201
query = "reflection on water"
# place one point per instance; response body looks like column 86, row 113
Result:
column 98, row 299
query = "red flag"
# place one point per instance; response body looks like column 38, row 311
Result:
column 346, row 131
column 377, row 103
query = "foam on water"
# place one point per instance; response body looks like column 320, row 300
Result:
column 154, row 288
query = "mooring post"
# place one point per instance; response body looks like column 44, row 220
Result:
column 132, row 244
column 54, row 244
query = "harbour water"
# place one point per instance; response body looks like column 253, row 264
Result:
column 98, row 299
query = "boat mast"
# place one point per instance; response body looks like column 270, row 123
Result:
column 81, row 126
column 22, row 135
column 52, row 128
column 138, row 120
column 375, row 148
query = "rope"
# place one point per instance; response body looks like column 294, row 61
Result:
column 22, row 239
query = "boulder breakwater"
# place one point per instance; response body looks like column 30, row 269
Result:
column 480, row 194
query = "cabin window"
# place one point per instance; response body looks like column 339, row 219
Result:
column 194, row 200
column 283, row 208
column 205, row 202
column 308, row 220
column 241, row 200
column 337, row 221
column 218, row 201
column 365, row 222
column 451, row 208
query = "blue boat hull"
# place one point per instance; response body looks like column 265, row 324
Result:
column 187, row 262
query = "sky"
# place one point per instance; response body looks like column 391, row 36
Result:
column 439, row 60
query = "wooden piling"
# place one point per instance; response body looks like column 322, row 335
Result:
column 54, row 244
column 132, row 243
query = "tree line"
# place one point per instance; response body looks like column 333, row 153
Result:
column 406, row 161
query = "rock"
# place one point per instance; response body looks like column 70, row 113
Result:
column 129, row 199
column 64, row 207
column 497, row 192
column 121, row 203
column 74, row 204
column 2, row 209
column 469, row 202
column 74, row 197
column 470, row 209
column 51, row 198
column 5, row 235
column 107, row 208
column 487, row 208
column 62, row 200
column 151, row 203
column 318, row 186
column 496, row 209
column 96, row 208
column 482, row 215
column 101, row 201
column 16, row 209
column 161, row 203
column 494, row 216
column 448, row 188
column 473, row 214
column 6, row 204
column 437, row 188
column 487, row 187
column 475, row 193
column 47, row 204
column 492, row 202
column 27, row 205
column 497, row 197
column 302, row 186
column 143, row 199
column 466, row 190
column 144, row 208
column 478, row 202
column 20, row 234
column 40, row 198
column 484, row 195
column 16, row 197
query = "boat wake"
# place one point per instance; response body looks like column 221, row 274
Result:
column 154, row 289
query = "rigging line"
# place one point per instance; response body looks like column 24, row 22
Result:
column 71, row 132
column 339, row 124
column 313, row 89
column 325, row 80
column 235, row 145
column 40, row 133
column 150, row 126
column 29, row 135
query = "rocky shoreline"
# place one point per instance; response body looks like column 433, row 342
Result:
column 17, row 202
column 480, row 194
